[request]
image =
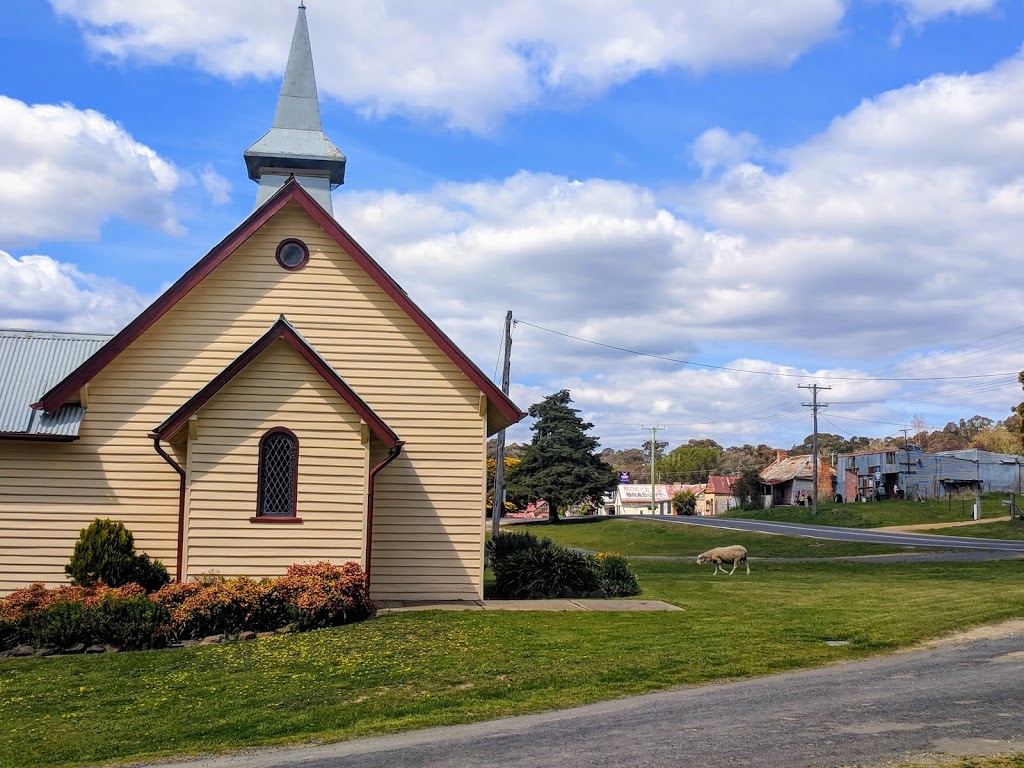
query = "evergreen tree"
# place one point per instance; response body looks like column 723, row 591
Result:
column 560, row 465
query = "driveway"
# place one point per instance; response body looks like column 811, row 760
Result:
column 962, row 696
column 834, row 533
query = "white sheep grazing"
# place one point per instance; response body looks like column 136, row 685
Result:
column 725, row 555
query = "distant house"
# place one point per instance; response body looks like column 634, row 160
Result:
column 718, row 496
column 913, row 473
column 635, row 499
column 791, row 479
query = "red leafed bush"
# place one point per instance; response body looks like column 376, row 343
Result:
column 325, row 595
column 309, row 596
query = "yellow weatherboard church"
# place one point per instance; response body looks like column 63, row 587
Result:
column 283, row 402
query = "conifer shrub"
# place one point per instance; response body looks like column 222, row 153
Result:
column 105, row 552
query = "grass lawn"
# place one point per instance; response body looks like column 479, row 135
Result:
column 650, row 537
column 1004, row 529
column 414, row 670
column 883, row 513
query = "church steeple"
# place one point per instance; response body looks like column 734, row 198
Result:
column 296, row 144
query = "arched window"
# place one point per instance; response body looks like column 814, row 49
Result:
column 278, row 474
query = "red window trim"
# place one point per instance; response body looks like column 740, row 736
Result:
column 293, row 517
column 305, row 254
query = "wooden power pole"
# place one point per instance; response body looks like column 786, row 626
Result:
column 814, row 405
column 498, row 504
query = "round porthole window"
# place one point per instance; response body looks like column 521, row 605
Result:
column 292, row 254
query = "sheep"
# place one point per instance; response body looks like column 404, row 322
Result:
column 719, row 555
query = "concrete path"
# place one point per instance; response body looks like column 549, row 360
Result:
column 385, row 607
column 959, row 697
column 835, row 533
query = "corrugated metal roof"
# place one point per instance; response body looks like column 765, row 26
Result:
column 30, row 363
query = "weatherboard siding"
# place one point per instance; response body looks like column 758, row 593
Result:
column 279, row 388
column 429, row 500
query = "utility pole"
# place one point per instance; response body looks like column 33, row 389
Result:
column 498, row 505
column 814, row 405
column 654, row 454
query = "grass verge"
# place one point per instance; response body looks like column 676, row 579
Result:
column 951, row 509
column 650, row 537
column 415, row 670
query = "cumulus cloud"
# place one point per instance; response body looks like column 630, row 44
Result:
column 64, row 171
column 38, row 292
column 466, row 63
column 893, row 233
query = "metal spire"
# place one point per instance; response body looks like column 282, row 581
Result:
column 296, row 145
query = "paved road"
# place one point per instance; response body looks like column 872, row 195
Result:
column 958, row 698
column 834, row 533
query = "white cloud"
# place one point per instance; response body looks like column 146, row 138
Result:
column 895, row 231
column 716, row 148
column 919, row 11
column 65, row 171
column 217, row 188
column 467, row 63
column 38, row 292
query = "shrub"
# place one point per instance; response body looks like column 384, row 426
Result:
column 508, row 543
column 309, row 596
column 59, row 625
column 684, row 503
column 105, row 552
column 223, row 606
column 616, row 575
column 546, row 571
column 325, row 595
column 129, row 619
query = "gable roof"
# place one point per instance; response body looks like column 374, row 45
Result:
column 291, row 191
column 31, row 361
column 793, row 467
column 721, row 483
column 284, row 331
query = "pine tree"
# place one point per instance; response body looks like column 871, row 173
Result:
column 561, row 464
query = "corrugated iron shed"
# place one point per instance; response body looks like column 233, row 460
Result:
column 30, row 363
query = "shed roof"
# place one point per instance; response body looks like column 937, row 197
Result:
column 793, row 467
column 30, row 363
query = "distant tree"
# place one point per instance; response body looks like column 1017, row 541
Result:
column 747, row 490
column 829, row 443
column 511, row 503
column 703, row 443
column 659, row 450
column 560, row 465
column 684, row 503
column 739, row 458
column 689, row 464
column 628, row 460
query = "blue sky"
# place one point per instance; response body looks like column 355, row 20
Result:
column 808, row 190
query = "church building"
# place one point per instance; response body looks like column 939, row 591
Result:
column 283, row 402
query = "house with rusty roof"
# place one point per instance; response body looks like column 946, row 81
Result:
column 791, row 479
column 718, row 495
column 284, row 401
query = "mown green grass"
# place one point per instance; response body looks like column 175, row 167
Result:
column 1004, row 529
column 414, row 670
column 882, row 513
column 649, row 537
